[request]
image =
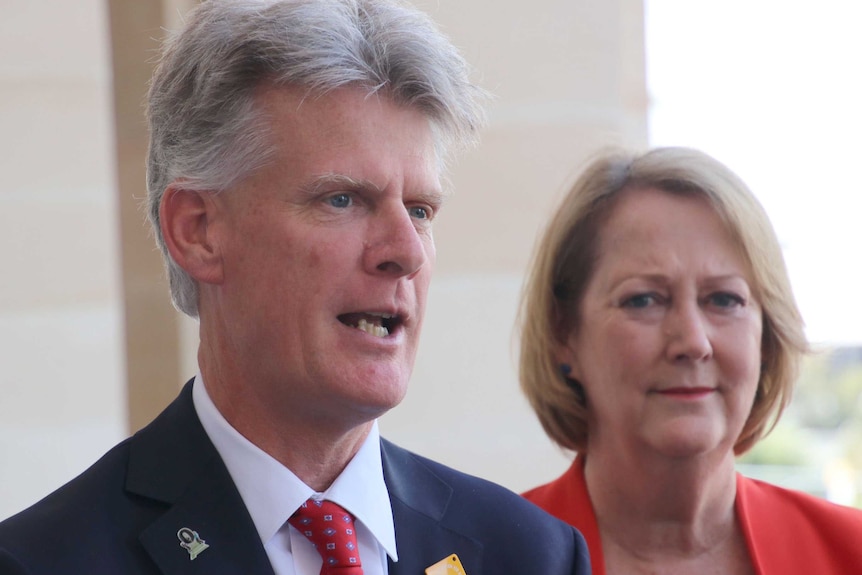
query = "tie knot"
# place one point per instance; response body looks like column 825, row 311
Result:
column 330, row 528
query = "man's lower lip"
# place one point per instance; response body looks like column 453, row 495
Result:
column 393, row 335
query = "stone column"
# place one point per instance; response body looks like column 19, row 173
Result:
column 151, row 327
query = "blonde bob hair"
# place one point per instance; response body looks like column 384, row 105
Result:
column 566, row 256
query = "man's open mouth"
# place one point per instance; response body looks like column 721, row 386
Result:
column 376, row 324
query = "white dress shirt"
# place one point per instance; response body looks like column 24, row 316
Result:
column 271, row 493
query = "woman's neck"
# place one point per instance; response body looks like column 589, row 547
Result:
column 658, row 512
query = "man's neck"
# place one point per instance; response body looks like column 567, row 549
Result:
column 314, row 447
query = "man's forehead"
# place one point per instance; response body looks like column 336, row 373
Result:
column 272, row 97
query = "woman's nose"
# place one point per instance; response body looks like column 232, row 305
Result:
column 687, row 331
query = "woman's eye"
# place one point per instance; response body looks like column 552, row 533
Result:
column 340, row 200
column 724, row 300
column 419, row 213
column 640, row 300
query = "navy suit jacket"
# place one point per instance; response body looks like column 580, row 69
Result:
column 122, row 515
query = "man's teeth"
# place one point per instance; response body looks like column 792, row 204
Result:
column 372, row 328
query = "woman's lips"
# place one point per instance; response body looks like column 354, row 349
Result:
column 686, row 392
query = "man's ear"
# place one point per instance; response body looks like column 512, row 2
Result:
column 186, row 218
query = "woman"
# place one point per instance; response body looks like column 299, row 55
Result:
column 660, row 339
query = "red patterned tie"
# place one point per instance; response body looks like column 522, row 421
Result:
column 330, row 528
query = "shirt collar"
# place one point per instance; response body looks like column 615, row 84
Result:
column 272, row 492
column 361, row 490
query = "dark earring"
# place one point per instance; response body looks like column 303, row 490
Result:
column 574, row 384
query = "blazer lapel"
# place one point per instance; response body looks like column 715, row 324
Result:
column 173, row 463
column 420, row 500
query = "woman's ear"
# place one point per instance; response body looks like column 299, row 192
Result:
column 567, row 359
column 569, row 367
column 186, row 219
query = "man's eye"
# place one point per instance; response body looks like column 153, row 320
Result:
column 419, row 213
column 340, row 201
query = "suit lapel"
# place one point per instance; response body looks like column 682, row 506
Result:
column 173, row 462
column 420, row 500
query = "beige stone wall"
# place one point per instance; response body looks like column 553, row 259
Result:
column 84, row 322
column 61, row 362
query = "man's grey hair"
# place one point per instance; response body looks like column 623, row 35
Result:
column 205, row 129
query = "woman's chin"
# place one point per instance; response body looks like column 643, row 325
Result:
column 683, row 442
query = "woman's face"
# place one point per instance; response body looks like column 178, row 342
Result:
column 668, row 345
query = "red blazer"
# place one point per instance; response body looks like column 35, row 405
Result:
column 787, row 532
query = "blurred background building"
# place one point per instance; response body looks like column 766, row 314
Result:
column 90, row 348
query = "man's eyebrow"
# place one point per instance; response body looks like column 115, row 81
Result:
column 319, row 183
column 433, row 197
column 334, row 181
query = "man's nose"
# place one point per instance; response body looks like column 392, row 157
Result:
column 395, row 245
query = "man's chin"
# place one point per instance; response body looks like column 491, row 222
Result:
column 374, row 394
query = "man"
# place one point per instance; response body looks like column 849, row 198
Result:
column 295, row 167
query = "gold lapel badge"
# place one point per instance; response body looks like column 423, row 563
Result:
column 450, row 565
column 191, row 542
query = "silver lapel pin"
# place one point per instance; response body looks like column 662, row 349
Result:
column 191, row 542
